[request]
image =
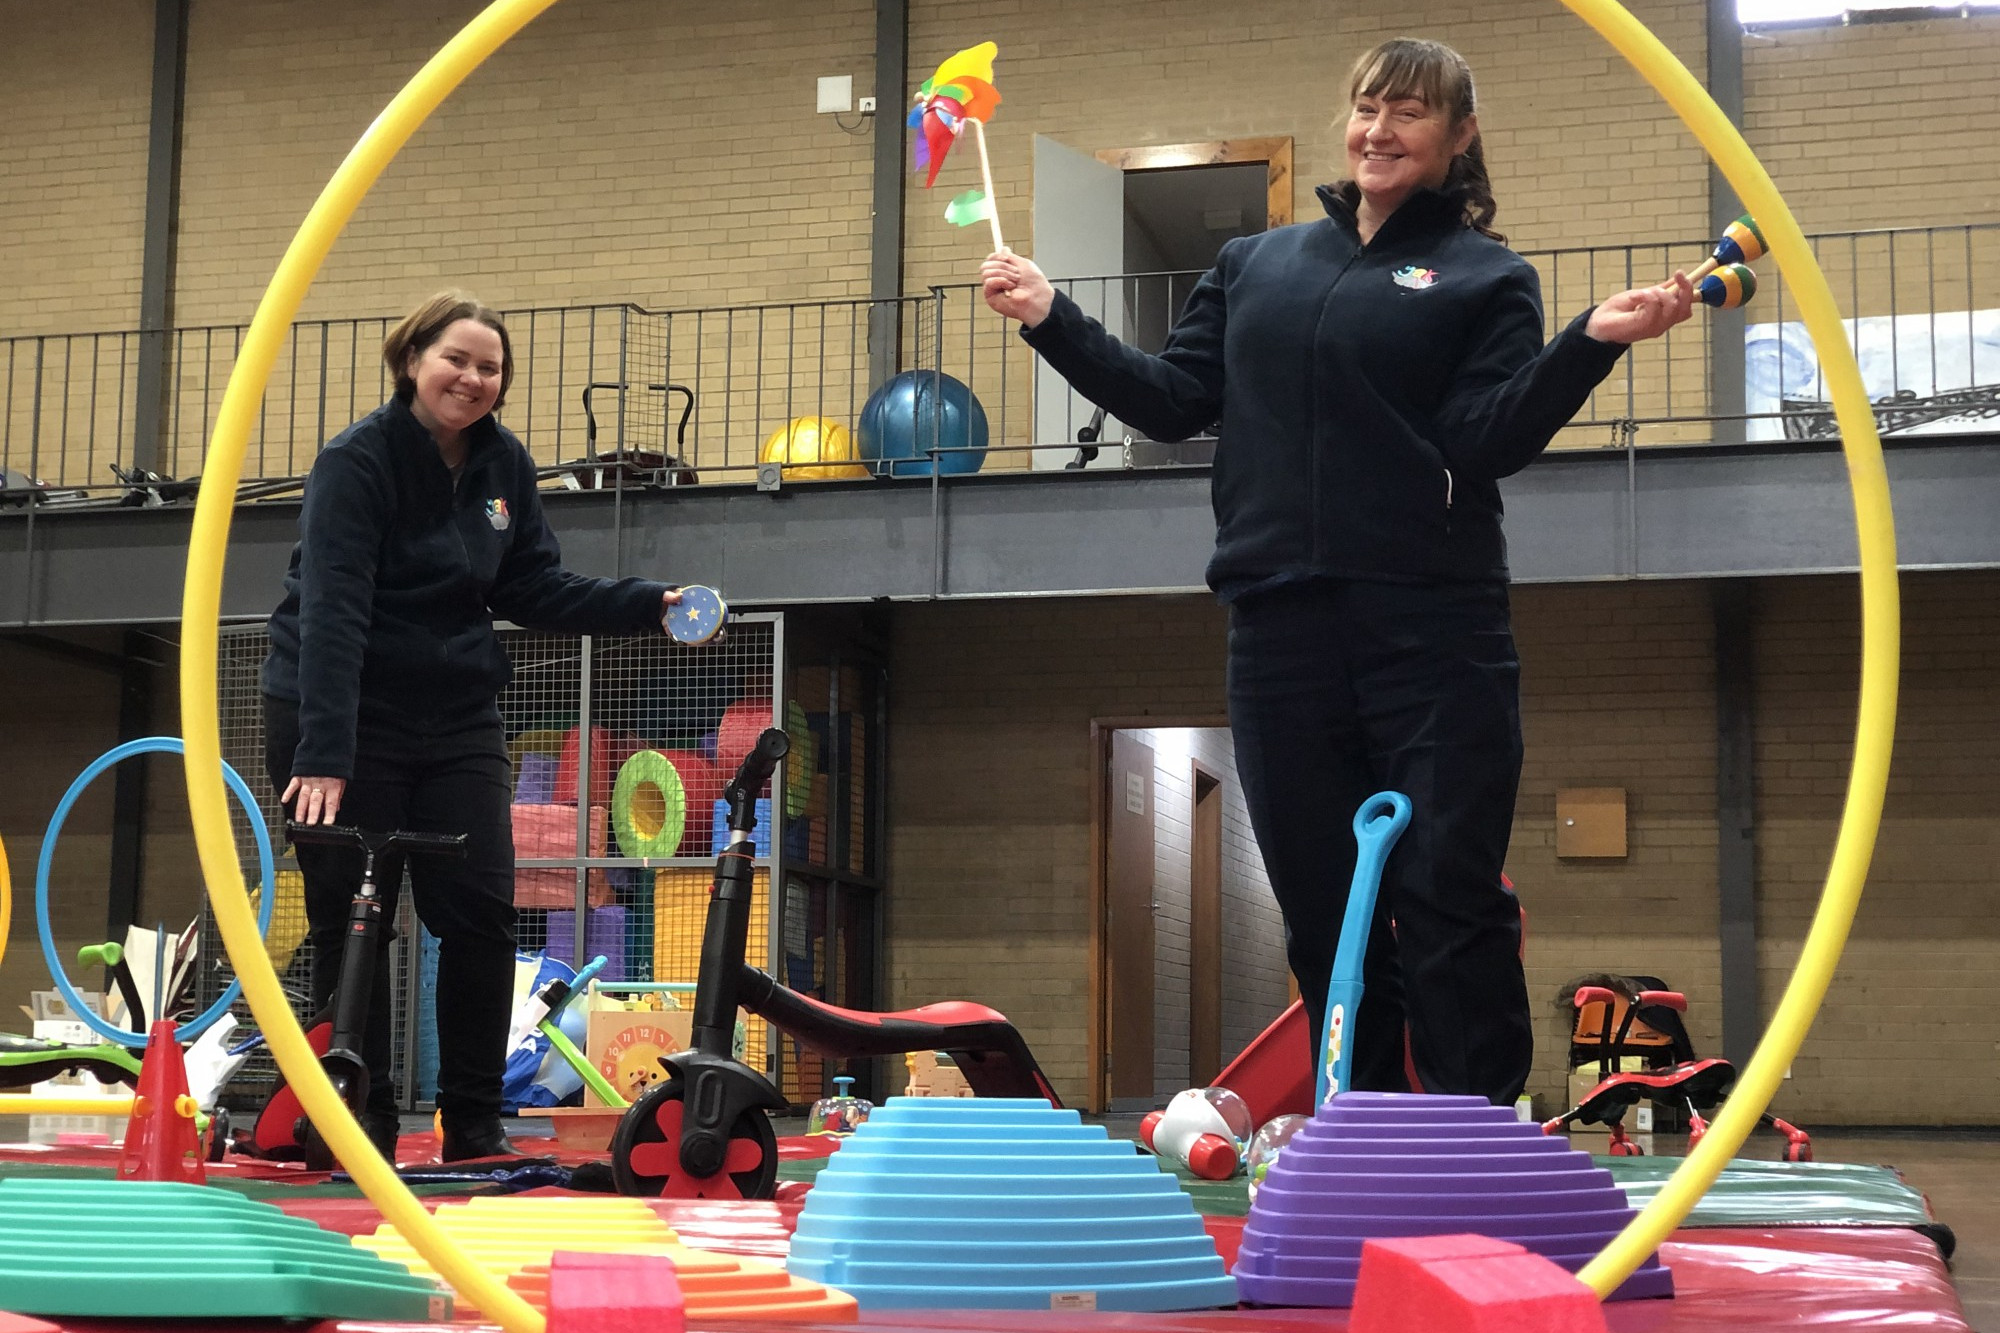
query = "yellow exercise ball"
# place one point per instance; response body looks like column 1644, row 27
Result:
column 812, row 448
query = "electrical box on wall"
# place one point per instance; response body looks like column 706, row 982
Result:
column 1590, row 822
column 836, row 93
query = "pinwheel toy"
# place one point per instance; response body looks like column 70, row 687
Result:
column 961, row 91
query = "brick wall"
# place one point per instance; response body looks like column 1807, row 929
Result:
column 74, row 107
column 1253, row 935
column 1618, row 690
column 1903, row 1037
column 989, row 814
column 1880, row 124
column 989, row 768
column 1138, row 73
column 72, row 722
column 615, row 153
column 611, row 152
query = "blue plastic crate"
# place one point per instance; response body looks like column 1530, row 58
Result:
column 760, row 839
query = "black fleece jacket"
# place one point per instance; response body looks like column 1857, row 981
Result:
column 398, row 576
column 1369, row 395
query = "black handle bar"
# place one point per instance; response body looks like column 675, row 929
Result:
column 754, row 772
column 347, row 835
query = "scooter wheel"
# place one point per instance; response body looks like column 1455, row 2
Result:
column 646, row 1152
column 319, row 1157
column 1798, row 1152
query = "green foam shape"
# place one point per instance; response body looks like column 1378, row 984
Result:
column 172, row 1250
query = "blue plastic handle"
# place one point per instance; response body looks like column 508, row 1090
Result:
column 578, row 984
column 1377, row 824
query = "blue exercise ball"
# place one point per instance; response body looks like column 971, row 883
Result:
column 901, row 423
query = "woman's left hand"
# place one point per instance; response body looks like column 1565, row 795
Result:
column 668, row 600
column 1643, row 312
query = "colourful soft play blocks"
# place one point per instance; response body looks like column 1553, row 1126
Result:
column 1467, row 1284
column 107, row 1248
column 515, row 1238
column 614, row 1293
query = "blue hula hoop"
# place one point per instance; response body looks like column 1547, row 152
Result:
column 146, row 745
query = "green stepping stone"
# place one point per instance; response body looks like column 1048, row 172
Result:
column 1757, row 1193
column 164, row 1249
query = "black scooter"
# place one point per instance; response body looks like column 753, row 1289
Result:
column 283, row 1130
column 704, row 1131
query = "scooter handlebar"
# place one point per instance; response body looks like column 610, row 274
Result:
column 348, row 835
column 762, row 761
column 751, row 775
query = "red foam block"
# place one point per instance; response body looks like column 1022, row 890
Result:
column 614, row 1293
column 1467, row 1284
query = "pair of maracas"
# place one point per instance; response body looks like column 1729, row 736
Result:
column 1724, row 279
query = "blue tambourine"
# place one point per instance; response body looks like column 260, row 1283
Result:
column 698, row 616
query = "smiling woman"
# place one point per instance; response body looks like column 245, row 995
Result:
column 1376, row 371
column 421, row 523
column 1412, row 127
column 453, row 364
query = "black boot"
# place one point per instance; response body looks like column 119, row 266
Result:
column 479, row 1136
column 381, row 1127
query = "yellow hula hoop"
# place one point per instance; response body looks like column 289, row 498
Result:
column 6, row 901
column 201, row 607
column 1868, row 780
column 200, row 611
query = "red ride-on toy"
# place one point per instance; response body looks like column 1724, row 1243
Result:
column 1625, row 1017
column 704, row 1131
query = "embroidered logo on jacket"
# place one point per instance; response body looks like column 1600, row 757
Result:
column 497, row 515
column 1416, row 279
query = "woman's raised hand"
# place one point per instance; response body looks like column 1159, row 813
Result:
column 1014, row 287
column 1643, row 312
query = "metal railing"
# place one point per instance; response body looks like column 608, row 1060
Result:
column 676, row 396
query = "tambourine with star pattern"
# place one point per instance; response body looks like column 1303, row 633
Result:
column 698, row 616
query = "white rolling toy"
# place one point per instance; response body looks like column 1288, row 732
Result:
column 1204, row 1129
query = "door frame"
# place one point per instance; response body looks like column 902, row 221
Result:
column 1274, row 151
column 1097, row 1029
column 1205, row 947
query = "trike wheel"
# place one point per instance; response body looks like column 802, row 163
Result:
column 646, row 1152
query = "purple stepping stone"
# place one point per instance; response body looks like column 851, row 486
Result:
column 1378, row 1165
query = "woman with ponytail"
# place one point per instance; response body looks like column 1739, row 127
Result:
column 1374, row 374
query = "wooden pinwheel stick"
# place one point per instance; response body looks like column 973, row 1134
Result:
column 986, row 178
